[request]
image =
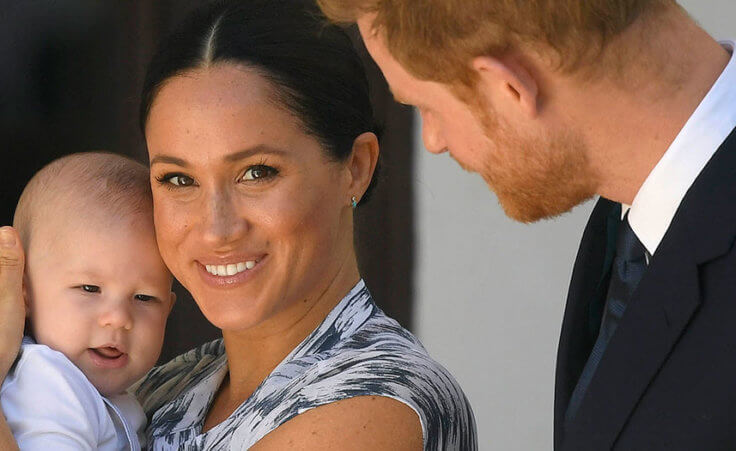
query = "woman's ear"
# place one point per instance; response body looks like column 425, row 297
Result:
column 509, row 81
column 362, row 164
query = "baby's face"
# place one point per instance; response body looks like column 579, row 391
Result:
column 99, row 292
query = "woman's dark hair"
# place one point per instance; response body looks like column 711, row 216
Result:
column 313, row 65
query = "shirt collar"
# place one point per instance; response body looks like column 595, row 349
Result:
column 660, row 196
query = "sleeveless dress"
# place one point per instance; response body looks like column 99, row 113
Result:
column 356, row 351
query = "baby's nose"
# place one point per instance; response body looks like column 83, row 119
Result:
column 117, row 316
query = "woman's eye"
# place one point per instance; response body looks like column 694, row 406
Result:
column 259, row 172
column 181, row 180
column 91, row 288
column 145, row 298
column 177, row 180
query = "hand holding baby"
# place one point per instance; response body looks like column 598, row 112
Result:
column 12, row 308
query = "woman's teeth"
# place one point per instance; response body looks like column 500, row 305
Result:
column 230, row 270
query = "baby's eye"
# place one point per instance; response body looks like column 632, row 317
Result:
column 259, row 172
column 91, row 288
column 145, row 298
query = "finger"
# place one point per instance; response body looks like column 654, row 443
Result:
column 11, row 260
column 12, row 307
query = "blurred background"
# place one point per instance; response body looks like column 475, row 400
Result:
column 484, row 294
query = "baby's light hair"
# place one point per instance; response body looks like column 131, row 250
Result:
column 114, row 185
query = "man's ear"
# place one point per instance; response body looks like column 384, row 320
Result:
column 511, row 80
column 173, row 301
column 362, row 164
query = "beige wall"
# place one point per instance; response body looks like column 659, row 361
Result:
column 491, row 292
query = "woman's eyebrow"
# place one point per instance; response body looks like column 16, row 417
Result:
column 255, row 150
column 168, row 159
column 229, row 158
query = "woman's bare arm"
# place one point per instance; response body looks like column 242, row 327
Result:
column 363, row 422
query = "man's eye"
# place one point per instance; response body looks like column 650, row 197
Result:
column 91, row 288
column 259, row 172
column 145, row 298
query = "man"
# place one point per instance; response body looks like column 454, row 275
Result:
column 555, row 101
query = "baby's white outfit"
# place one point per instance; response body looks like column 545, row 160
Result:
column 49, row 404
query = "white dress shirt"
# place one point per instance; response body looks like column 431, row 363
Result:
column 660, row 196
column 50, row 405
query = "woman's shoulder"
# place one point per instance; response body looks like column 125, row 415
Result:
column 165, row 382
column 384, row 359
column 383, row 343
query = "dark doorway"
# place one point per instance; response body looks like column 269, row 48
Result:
column 70, row 82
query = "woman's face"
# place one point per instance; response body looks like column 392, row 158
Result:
column 252, row 217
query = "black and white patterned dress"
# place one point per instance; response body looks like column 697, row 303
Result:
column 356, row 351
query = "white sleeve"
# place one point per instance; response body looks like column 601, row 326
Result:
column 49, row 404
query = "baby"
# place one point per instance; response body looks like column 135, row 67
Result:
column 97, row 296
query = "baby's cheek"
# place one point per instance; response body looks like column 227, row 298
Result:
column 58, row 328
column 154, row 331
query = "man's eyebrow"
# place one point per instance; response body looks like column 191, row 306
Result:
column 229, row 158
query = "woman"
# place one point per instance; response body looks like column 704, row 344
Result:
column 259, row 130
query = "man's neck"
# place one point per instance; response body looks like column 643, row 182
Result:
column 630, row 122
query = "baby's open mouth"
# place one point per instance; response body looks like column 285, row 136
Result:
column 108, row 357
column 107, row 352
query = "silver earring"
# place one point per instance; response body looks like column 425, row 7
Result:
column 353, row 202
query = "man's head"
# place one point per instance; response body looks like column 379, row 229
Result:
column 482, row 73
column 96, row 288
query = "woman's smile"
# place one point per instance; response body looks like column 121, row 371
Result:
column 230, row 275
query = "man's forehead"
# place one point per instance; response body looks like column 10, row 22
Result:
column 392, row 71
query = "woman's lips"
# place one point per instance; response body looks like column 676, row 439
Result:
column 108, row 357
column 230, row 274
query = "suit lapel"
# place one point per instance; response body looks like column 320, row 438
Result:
column 598, row 301
column 659, row 310
column 577, row 337
column 662, row 305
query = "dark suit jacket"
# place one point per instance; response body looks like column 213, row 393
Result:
column 667, row 380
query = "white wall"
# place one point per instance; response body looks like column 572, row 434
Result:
column 490, row 292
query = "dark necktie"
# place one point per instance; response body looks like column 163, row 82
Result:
column 628, row 267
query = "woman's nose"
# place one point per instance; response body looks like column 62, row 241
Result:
column 222, row 223
column 117, row 315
